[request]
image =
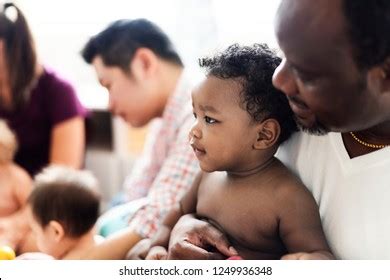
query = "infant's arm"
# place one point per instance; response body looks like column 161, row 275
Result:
column 22, row 185
column 15, row 227
column 300, row 224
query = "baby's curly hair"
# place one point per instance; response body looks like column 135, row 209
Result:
column 8, row 143
column 253, row 66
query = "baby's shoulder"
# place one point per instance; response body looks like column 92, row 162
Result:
column 17, row 171
column 18, row 176
column 289, row 186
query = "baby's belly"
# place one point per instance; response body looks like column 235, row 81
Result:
column 251, row 244
column 258, row 253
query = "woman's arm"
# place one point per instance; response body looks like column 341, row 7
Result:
column 68, row 143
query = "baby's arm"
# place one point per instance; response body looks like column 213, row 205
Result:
column 186, row 205
column 15, row 227
column 300, row 225
column 22, row 185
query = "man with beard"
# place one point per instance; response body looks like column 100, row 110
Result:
column 336, row 75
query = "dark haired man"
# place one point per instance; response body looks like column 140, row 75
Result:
column 138, row 64
column 336, row 75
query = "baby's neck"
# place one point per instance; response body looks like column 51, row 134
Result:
column 260, row 167
column 78, row 246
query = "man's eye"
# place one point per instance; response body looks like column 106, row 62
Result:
column 305, row 77
column 209, row 120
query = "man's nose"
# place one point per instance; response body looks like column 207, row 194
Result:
column 283, row 79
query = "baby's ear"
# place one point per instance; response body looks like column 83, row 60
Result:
column 56, row 230
column 267, row 134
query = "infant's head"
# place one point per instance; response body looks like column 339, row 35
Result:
column 64, row 206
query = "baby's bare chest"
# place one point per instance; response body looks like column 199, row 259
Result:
column 247, row 213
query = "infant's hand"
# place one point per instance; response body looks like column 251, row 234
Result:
column 320, row 255
column 140, row 250
column 157, row 253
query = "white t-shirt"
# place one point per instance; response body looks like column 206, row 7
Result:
column 353, row 194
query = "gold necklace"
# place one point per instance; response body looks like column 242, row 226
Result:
column 373, row 146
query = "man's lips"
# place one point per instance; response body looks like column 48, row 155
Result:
column 300, row 109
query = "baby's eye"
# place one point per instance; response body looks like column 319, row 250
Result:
column 209, row 120
column 194, row 115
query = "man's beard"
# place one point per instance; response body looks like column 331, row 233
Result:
column 316, row 129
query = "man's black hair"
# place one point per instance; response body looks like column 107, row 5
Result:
column 118, row 43
column 368, row 23
column 254, row 66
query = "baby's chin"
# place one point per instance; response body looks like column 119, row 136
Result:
column 210, row 168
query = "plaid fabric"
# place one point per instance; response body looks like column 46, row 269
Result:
column 167, row 166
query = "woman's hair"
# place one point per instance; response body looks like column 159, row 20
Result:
column 19, row 53
column 8, row 143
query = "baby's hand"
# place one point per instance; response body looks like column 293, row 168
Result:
column 157, row 253
column 140, row 250
column 319, row 255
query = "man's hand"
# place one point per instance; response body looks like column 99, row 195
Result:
column 196, row 239
column 140, row 250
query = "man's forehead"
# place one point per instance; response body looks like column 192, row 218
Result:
column 310, row 26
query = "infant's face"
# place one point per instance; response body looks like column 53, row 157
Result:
column 222, row 135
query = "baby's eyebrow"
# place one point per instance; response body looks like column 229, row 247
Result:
column 208, row 108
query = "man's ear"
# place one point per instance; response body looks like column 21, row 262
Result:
column 386, row 75
column 267, row 134
column 144, row 64
column 56, row 230
column 379, row 76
